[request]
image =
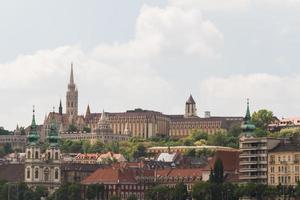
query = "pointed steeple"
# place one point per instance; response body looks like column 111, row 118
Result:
column 248, row 127
column 60, row 108
column 190, row 107
column 53, row 137
column 88, row 111
column 72, row 75
column 190, row 100
column 33, row 137
column 248, row 115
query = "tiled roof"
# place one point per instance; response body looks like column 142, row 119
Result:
column 80, row 167
column 115, row 175
column 286, row 148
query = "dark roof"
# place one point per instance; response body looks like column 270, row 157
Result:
column 80, row 167
column 12, row 172
column 191, row 100
column 286, row 147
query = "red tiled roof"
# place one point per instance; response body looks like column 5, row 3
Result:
column 115, row 174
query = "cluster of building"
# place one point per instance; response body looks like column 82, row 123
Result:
column 266, row 160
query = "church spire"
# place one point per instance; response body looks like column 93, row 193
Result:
column 53, row 137
column 71, row 75
column 33, row 137
column 88, row 110
column 248, row 127
column 60, row 108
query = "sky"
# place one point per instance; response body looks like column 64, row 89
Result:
column 149, row 54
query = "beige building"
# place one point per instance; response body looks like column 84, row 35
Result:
column 284, row 164
column 141, row 123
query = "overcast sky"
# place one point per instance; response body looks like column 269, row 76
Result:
column 150, row 54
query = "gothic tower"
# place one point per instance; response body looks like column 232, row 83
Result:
column 72, row 97
column 190, row 107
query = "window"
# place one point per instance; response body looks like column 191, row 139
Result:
column 56, row 174
column 28, row 173
column 49, row 155
column 36, row 155
column 296, row 168
column 56, row 155
column 36, row 173
column 28, row 154
column 46, row 174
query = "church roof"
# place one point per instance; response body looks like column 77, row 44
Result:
column 191, row 100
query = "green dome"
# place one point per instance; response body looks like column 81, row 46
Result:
column 53, row 137
column 33, row 136
column 248, row 127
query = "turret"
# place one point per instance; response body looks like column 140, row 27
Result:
column 190, row 108
column 88, row 111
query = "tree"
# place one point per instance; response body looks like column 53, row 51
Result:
column 158, row 192
column 132, row 197
column 262, row 118
column 179, row 192
column 217, row 174
column 74, row 191
column 115, row 198
column 201, row 191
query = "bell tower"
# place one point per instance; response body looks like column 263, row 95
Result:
column 72, row 97
column 190, row 108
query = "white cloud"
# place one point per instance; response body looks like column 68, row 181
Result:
column 230, row 5
column 277, row 93
column 118, row 76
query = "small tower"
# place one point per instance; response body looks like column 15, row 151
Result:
column 88, row 111
column 190, row 108
column 103, row 123
column 72, row 97
column 60, row 108
column 248, row 127
column 33, row 156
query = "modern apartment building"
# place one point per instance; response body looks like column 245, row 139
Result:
column 253, row 161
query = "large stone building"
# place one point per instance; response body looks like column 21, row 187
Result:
column 139, row 122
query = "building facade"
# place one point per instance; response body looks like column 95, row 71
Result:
column 42, row 170
column 284, row 164
column 141, row 123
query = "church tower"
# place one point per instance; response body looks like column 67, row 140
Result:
column 190, row 108
column 248, row 127
column 72, row 97
column 33, row 159
column 52, row 171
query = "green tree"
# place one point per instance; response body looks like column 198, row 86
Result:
column 158, row 192
column 201, row 191
column 132, row 197
column 179, row 192
column 115, row 198
column 262, row 118
column 217, row 174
